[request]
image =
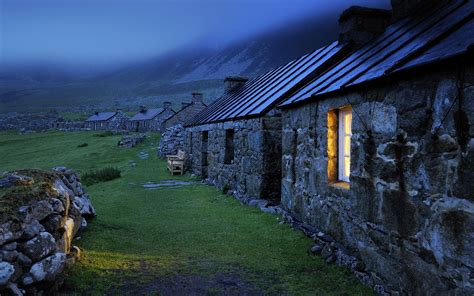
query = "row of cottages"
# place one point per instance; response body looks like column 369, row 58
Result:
column 371, row 142
column 150, row 120
column 116, row 120
column 188, row 110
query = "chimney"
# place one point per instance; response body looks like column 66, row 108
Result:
column 404, row 8
column 358, row 25
column 142, row 109
column 197, row 97
column 96, row 113
column 184, row 105
column 167, row 105
column 232, row 83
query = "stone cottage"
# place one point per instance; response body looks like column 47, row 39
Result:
column 236, row 142
column 188, row 110
column 150, row 120
column 378, row 151
column 107, row 121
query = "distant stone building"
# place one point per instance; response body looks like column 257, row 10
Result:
column 150, row 120
column 378, row 151
column 107, row 121
column 188, row 111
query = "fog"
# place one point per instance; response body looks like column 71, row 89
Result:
column 102, row 33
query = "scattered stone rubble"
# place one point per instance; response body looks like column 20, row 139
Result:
column 41, row 213
column 130, row 141
column 172, row 140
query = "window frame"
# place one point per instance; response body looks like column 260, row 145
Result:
column 344, row 170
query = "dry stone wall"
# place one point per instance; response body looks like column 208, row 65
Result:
column 172, row 140
column 41, row 213
column 409, row 212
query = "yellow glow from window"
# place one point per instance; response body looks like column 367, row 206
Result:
column 348, row 123
column 347, row 145
column 347, row 166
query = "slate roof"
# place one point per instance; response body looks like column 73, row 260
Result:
column 445, row 32
column 260, row 94
column 101, row 116
column 182, row 109
column 147, row 115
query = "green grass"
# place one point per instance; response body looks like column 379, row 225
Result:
column 101, row 175
column 140, row 235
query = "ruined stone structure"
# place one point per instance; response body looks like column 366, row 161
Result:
column 379, row 153
column 188, row 111
column 107, row 121
column 150, row 120
column 42, row 212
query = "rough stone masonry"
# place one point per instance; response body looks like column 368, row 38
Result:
column 41, row 213
column 409, row 212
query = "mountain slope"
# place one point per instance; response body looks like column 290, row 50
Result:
column 171, row 76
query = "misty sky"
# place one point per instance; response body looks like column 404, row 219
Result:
column 109, row 31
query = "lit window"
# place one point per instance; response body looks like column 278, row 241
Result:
column 344, row 147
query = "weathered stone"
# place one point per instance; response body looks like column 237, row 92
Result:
column 316, row 249
column 48, row 268
column 32, row 229
column 6, row 271
column 39, row 246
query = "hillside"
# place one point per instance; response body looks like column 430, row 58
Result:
column 171, row 76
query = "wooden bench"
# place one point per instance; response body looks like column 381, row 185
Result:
column 176, row 162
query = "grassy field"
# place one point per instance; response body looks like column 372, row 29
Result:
column 175, row 240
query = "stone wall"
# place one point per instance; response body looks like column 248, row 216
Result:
column 409, row 212
column 27, row 121
column 172, row 140
column 253, row 172
column 42, row 211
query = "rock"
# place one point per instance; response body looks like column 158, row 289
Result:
column 84, row 205
column 327, row 251
column 39, row 246
column 14, row 180
column 41, row 210
column 316, row 249
column 9, row 231
column 9, row 256
column 48, row 268
column 10, row 246
column 6, row 271
column 32, row 229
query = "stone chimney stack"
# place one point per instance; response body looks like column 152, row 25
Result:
column 404, row 8
column 142, row 109
column 197, row 97
column 166, row 105
column 232, row 83
column 358, row 25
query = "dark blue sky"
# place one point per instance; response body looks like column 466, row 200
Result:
column 109, row 31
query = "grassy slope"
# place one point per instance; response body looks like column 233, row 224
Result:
column 140, row 235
